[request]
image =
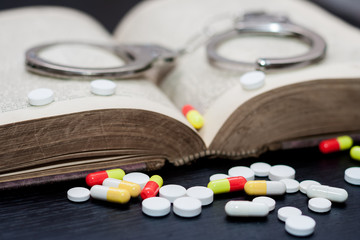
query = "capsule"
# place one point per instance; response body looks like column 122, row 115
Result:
column 246, row 209
column 133, row 188
column 110, row 194
column 262, row 187
column 225, row 185
column 332, row 193
column 152, row 187
column 335, row 144
column 355, row 153
column 193, row 116
column 97, row 178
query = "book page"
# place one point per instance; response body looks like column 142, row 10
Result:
column 217, row 93
column 28, row 27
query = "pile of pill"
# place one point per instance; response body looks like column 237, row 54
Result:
column 158, row 199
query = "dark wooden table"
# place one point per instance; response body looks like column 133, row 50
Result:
column 43, row 212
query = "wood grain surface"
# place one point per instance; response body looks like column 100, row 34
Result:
column 43, row 212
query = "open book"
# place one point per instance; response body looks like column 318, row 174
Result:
column 141, row 127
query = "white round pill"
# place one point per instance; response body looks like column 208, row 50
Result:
column 156, row 206
column 187, row 207
column 267, row 200
column 319, row 204
column 242, row 171
column 204, row 194
column 172, row 192
column 285, row 212
column 306, row 183
column 103, row 87
column 252, row 80
column 137, row 177
column 40, row 96
column 300, row 226
column 279, row 172
column 260, row 169
column 352, row 175
column 218, row 176
column 292, row 186
column 78, row 194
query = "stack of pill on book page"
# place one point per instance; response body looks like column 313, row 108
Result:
column 159, row 199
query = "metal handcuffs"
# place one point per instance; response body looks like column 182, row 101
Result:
column 155, row 61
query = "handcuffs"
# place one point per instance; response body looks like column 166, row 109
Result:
column 155, row 61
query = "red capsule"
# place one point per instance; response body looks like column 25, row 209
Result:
column 97, row 178
column 225, row 185
column 335, row 144
column 330, row 145
column 152, row 187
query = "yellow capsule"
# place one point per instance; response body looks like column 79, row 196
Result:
column 133, row 188
column 265, row 188
column 355, row 153
column 110, row 194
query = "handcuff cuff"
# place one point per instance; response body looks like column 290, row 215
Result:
column 155, row 61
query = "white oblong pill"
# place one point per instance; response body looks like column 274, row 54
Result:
column 292, row 186
column 172, row 192
column 156, row 206
column 279, row 172
column 78, row 194
column 187, row 207
column 332, row 193
column 260, row 169
column 267, row 200
column 352, row 175
column 111, row 182
column 320, row 205
column 103, row 87
column 204, row 194
column 286, row 212
column 306, row 183
column 246, row 209
column 300, row 226
column 252, row 80
column 137, row 177
column 218, row 176
column 275, row 188
column 40, row 96
column 242, row 171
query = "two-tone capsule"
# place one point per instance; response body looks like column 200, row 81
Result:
column 335, row 144
column 110, row 194
column 152, row 187
column 333, row 194
column 262, row 187
column 97, row 178
column 193, row 116
column 133, row 188
column 225, row 185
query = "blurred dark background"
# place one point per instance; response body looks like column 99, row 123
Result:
column 110, row 12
